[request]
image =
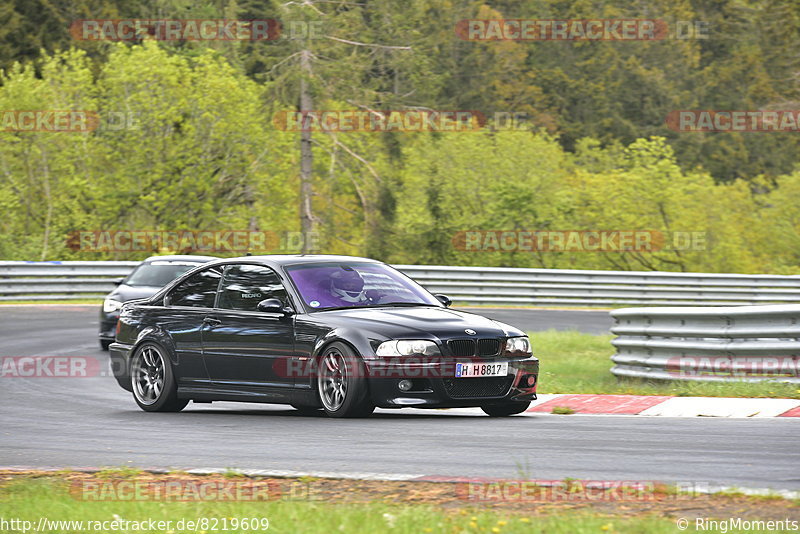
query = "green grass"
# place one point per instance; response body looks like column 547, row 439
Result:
column 119, row 472
column 573, row 362
column 32, row 498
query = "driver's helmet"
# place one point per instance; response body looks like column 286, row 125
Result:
column 347, row 285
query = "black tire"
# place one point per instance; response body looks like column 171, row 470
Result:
column 506, row 409
column 105, row 343
column 152, row 380
column 353, row 398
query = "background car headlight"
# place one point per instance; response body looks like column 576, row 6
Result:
column 408, row 347
column 518, row 345
column 111, row 305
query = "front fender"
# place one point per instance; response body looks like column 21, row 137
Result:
column 356, row 339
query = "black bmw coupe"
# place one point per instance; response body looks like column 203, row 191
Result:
column 336, row 333
column 147, row 278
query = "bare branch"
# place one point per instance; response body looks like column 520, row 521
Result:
column 380, row 114
column 345, row 241
column 339, row 3
column 368, row 45
column 359, row 158
column 284, row 60
column 304, row 3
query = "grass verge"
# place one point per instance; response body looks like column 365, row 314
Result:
column 573, row 362
column 328, row 505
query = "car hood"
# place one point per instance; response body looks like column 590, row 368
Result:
column 443, row 323
column 124, row 293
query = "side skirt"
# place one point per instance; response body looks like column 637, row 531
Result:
column 262, row 395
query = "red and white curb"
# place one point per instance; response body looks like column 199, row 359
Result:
column 644, row 405
column 665, row 406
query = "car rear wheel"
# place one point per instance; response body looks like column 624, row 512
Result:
column 153, row 382
column 342, row 383
column 505, row 409
column 104, row 344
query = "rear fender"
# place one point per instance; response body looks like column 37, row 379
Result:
column 160, row 336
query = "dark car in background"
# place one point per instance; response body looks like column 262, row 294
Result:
column 146, row 279
column 336, row 333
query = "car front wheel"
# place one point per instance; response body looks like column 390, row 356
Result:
column 342, row 383
column 152, row 380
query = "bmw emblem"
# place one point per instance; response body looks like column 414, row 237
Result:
column 470, row 331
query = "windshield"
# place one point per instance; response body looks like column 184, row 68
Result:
column 158, row 273
column 325, row 286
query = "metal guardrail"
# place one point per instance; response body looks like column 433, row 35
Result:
column 496, row 285
column 748, row 343
column 59, row 280
column 469, row 285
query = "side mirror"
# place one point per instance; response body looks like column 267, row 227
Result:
column 274, row 306
column 444, row 299
column 118, row 281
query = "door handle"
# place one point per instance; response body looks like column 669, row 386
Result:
column 210, row 321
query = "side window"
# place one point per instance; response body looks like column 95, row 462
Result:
column 199, row 290
column 244, row 286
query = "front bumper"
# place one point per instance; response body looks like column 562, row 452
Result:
column 434, row 384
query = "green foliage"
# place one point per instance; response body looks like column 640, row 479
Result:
column 194, row 152
column 200, row 150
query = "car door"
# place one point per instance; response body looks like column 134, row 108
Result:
column 244, row 347
column 185, row 308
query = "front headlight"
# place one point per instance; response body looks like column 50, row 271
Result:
column 111, row 305
column 408, row 347
column 516, row 346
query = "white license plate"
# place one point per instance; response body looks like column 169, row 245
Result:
column 479, row 370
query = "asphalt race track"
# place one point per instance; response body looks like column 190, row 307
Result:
column 89, row 422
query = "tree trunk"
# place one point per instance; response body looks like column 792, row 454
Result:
column 306, row 155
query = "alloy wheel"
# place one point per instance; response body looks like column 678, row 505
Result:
column 333, row 379
column 147, row 374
